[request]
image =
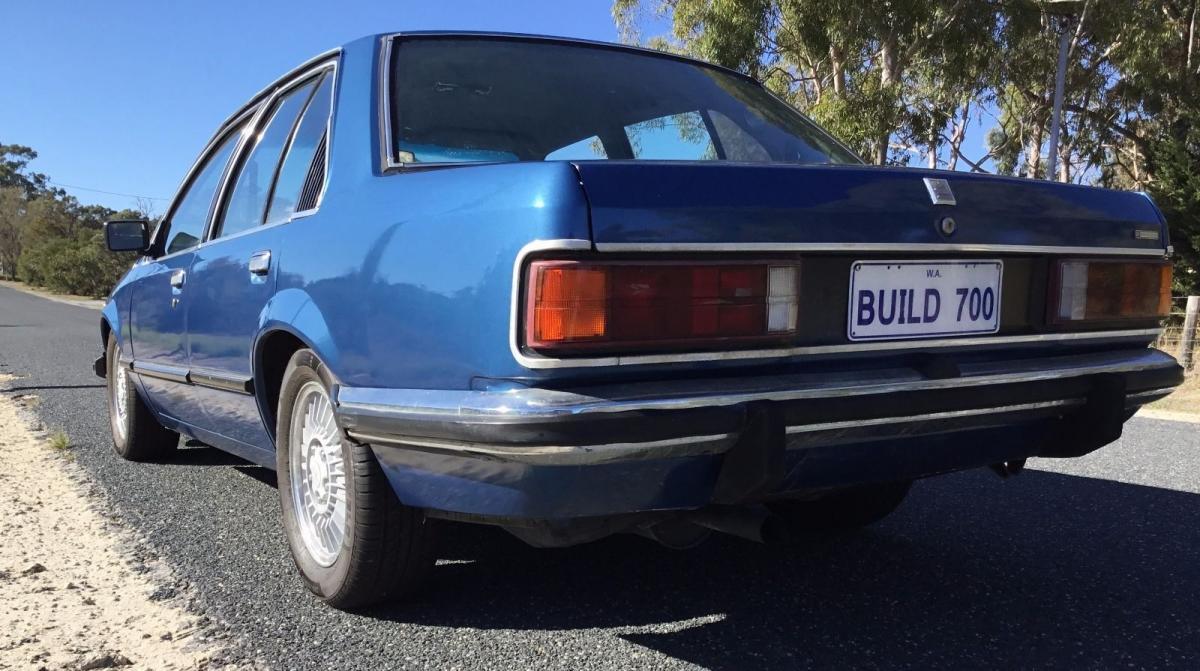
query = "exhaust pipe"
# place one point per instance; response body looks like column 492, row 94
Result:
column 754, row 523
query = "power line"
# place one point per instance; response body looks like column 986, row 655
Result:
column 111, row 193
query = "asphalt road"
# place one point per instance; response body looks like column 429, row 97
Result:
column 1093, row 562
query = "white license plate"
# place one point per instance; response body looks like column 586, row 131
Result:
column 923, row 299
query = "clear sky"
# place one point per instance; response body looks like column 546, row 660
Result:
column 121, row 95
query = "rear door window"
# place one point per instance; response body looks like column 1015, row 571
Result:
column 303, row 168
column 246, row 206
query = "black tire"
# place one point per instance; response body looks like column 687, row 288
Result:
column 387, row 549
column 843, row 510
column 136, row 433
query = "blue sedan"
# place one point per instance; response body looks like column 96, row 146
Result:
column 575, row 289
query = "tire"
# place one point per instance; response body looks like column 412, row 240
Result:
column 843, row 510
column 136, row 433
column 384, row 549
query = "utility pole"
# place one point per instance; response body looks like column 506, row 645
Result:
column 1060, row 77
column 1066, row 11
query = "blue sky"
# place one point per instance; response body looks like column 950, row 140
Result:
column 121, row 95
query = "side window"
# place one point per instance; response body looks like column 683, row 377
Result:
column 737, row 143
column 586, row 149
column 186, row 224
column 247, row 201
column 676, row 137
column 303, row 169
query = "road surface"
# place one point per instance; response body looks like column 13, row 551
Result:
column 1092, row 562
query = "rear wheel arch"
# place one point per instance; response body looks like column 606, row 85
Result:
column 271, row 355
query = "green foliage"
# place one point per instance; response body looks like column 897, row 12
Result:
column 47, row 238
column 900, row 79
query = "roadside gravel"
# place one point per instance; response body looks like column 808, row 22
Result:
column 77, row 590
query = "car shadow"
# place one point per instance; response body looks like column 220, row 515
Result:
column 1043, row 569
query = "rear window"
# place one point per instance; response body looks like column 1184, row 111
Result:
column 465, row 99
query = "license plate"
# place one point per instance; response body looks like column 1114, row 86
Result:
column 895, row 300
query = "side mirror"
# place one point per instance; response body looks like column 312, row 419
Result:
column 127, row 235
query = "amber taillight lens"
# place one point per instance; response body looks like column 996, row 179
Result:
column 583, row 305
column 1103, row 290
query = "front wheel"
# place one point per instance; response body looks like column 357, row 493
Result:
column 136, row 433
column 351, row 538
column 843, row 510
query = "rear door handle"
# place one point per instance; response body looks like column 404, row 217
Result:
column 260, row 263
column 178, row 277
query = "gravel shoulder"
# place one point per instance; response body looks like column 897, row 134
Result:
column 76, row 587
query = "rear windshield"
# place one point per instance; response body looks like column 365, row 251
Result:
column 466, row 99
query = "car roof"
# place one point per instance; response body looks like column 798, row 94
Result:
column 533, row 37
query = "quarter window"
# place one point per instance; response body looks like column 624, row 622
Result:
column 310, row 135
column 186, row 224
column 247, row 202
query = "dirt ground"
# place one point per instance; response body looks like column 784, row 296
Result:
column 1183, row 404
column 77, row 590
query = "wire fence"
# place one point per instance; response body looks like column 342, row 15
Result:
column 1171, row 338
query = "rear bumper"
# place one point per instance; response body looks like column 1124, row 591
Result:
column 604, row 450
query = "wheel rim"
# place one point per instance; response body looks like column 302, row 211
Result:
column 318, row 474
column 120, row 398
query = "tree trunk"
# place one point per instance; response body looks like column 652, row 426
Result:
column 1033, row 153
column 888, row 76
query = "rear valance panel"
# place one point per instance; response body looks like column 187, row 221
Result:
column 662, row 203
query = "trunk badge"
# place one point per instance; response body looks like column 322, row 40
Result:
column 939, row 191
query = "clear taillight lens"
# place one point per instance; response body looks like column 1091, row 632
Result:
column 627, row 305
column 1094, row 290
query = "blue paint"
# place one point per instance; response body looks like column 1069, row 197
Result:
column 403, row 281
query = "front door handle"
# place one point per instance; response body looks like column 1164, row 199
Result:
column 178, row 277
column 260, row 263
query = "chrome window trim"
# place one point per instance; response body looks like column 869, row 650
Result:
column 542, row 362
column 249, row 109
column 257, row 125
column 883, row 247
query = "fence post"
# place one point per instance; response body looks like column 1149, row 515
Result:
column 1187, row 343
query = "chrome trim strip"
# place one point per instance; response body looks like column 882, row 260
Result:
column 160, row 371
column 868, row 247
column 386, row 155
column 1143, row 397
column 894, row 346
column 934, row 416
column 220, row 380
column 540, row 405
column 562, row 455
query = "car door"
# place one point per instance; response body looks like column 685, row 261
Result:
column 233, row 275
column 160, row 296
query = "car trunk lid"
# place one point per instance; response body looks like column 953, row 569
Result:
column 680, row 206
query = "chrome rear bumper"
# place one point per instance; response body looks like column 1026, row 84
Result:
column 653, row 420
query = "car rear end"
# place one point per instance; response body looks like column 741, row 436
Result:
column 741, row 328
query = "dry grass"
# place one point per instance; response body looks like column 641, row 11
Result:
column 60, row 442
column 1184, row 399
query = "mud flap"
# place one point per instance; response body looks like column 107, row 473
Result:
column 1095, row 425
column 754, row 466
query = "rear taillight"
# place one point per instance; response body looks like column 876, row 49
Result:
column 586, row 305
column 1095, row 290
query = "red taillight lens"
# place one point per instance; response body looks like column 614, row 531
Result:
column 1090, row 290
column 618, row 305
